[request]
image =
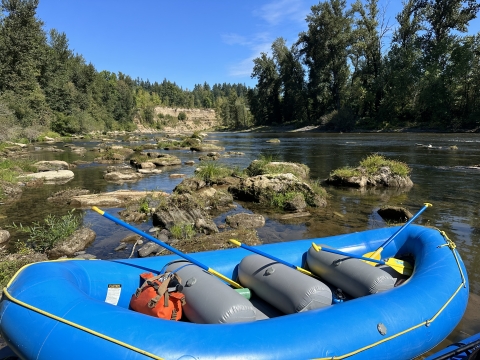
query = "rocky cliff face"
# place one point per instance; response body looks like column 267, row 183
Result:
column 197, row 119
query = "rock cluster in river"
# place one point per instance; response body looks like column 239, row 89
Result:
column 384, row 177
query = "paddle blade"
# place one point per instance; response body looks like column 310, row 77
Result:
column 400, row 266
column 374, row 254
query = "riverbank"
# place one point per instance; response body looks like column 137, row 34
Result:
column 321, row 129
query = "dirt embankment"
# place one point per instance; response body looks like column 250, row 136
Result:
column 197, row 119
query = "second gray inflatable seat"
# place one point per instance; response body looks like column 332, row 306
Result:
column 287, row 289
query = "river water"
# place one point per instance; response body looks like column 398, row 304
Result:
column 441, row 176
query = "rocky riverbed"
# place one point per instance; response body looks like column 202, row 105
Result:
column 182, row 218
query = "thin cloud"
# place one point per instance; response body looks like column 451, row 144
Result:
column 272, row 16
column 276, row 12
column 245, row 66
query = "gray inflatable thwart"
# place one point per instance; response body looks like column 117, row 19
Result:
column 209, row 300
column 281, row 286
column 353, row 276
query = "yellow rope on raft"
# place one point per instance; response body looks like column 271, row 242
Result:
column 423, row 323
column 71, row 323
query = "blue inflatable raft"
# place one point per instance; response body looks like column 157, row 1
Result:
column 79, row 309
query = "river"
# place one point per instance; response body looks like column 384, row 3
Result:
column 440, row 174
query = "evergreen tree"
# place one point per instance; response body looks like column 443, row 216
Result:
column 22, row 51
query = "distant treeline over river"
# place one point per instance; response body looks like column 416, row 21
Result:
column 442, row 171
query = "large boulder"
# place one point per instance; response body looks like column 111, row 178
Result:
column 148, row 249
column 189, row 185
column 394, row 213
column 295, row 204
column 258, row 167
column 206, row 147
column 51, row 165
column 119, row 198
column 262, row 188
column 4, row 236
column 383, row 177
column 11, row 192
column 245, row 221
column 78, row 241
column 120, row 177
column 164, row 159
column 51, row 177
column 65, row 196
column 181, row 209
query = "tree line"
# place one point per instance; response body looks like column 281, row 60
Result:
column 344, row 74
column 46, row 86
column 348, row 70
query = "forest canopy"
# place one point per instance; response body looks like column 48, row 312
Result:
column 343, row 74
column 349, row 70
column 44, row 86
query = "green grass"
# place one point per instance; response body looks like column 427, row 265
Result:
column 11, row 168
column 184, row 231
column 168, row 143
column 374, row 162
column 371, row 165
column 50, row 134
column 269, row 164
column 54, row 229
column 279, row 200
column 318, row 189
column 258, row 167
column 139, row 157
column 210, row 171
column 346, row 172
column 189, row 141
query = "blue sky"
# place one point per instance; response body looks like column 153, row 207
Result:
column 185, row 41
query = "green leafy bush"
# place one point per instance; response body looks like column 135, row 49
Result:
column 183, row 231
column 44, row 236
column 182, row 116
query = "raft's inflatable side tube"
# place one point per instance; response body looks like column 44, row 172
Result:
column 208, row 299
column 281, row 286
column 353, row 276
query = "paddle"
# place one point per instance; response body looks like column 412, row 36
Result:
column 399, row 266
column 259, row 252
column 377, row 253
column 172, row 249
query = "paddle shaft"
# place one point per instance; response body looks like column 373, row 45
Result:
column 166, row 246
column 399, row 266
column 268, row 256
column 379, row 250
column 338, row 252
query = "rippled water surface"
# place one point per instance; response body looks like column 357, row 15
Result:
column 441, row 176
